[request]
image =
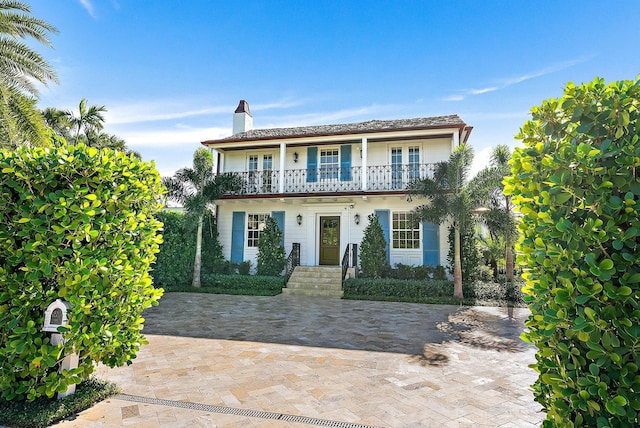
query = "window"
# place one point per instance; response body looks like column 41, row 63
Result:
column 329, row 164
column 405, row 231
column 255, row 225
column 414, row 163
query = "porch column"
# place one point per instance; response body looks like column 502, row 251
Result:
column 220, row 162
column 364, row 163
column 283, row 159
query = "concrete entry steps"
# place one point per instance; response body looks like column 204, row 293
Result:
column 325, row 281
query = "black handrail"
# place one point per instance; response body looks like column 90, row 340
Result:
column 345, row 261
column 354, row 259
column 293, row 260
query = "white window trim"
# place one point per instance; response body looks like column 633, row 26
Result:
column 420, row 232
column 266, row 216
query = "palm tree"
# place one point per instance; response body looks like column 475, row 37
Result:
column 20, row 68
column 500, row 218
column 450, row 198
column 20, row 120
column 58, row 121
column 19, row 64
column 89, row 119
column 196, row 189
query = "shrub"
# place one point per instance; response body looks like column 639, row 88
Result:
column 244, row 267
column 393, row 288
column 402, row 271
column 440, row 273
column 174, row 264
column 77, row 224
column 576, row 183
column 253, row 285
column 373, row 255
column 271, row 258
column 44, row 412
column 496, row 292
column 225, row 267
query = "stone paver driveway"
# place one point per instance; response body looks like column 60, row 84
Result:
column 288, row 361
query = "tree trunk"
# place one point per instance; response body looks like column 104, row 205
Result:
column 508, row 258
column 198, row 262
column 509, row 262
column 457, row 266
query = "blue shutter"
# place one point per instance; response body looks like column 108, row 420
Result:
column 312, row 164
column 237, row 237
column 430, row 244
column 279, row 216
column 345, row 162
column 383, row 217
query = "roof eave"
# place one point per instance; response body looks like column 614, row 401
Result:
column 462, row 127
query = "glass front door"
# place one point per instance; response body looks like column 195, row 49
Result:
column 330, row 240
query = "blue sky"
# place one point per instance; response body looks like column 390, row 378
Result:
column 171, row 72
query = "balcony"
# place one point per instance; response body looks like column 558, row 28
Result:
column 380, row 178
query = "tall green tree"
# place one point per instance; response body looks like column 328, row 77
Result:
column 196, row 189
column 373, row 254
column 449, row 198
column 500, row 217
column 271, row 256
column 20, row 68
column 88, row 120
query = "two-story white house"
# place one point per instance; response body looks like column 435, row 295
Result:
column 322, row 182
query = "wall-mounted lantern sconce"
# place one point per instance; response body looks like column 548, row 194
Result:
column 356, row 218
column 360, row 149
column 295, row 156
column 299, row 218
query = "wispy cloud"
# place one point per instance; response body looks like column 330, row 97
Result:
column 162, row 110
column 453, row 98
column 173, row 136
column 507, row 82
column 89, row 7
column 152, row 112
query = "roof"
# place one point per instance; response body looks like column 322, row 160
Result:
column 372, row 126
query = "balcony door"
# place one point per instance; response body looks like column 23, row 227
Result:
column 260, row 169
column 405, row 166
column 330, row 240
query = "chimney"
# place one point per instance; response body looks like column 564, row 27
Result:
column 242, row 119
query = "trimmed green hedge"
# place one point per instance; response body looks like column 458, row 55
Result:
column 251, row 285
column 433, row 291
column 419, row 291
column 43, row 411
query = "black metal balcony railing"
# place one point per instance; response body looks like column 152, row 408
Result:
column 331, row 180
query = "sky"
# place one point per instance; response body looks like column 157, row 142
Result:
column 171, row 73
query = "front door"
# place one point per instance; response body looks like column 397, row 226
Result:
column 330, row 240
